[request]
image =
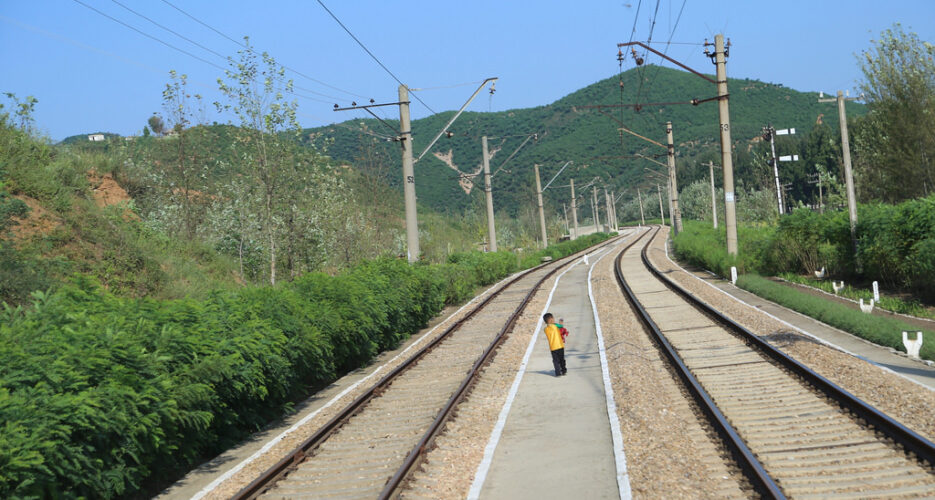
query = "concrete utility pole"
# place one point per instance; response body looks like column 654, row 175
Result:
column 661, row 213
column 821, row 201
column 640, row 197
column 674, row 212
column 608, row 211
column 848, row 173
column 574, row 209
column 613, row 209
column 727, row 162
column 488, row 193
column 565, row 215
column 409, row 183
column 545, row 241
column 596, row 208
column 713, row 193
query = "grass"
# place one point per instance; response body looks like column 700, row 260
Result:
column 879, row 330
column 893, row 304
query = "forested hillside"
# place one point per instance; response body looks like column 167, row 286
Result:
column 568, row 131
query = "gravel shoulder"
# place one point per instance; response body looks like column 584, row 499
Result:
column 909, row 403
column 671, row 452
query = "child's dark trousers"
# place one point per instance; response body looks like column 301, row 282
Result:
column 558, row 360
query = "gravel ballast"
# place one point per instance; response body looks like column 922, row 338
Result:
column 909, row 403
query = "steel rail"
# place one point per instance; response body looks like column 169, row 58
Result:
column 900, row 434
column 752, row 468
column 396, row 481
column 301, row 452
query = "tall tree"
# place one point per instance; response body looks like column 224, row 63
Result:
column 183, row 178
column 894, row 141
column 254, row 90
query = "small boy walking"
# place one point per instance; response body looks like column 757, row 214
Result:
column 556, row 344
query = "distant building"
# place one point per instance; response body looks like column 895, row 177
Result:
column 96, row 137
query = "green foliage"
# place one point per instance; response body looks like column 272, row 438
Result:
column 569, row 132
column 99, row 393
column 894, row 143
column 887, row 302
column 703, row 246
column 895, row 245
column 880, row 330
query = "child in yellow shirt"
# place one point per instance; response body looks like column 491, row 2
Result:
column 556, row 344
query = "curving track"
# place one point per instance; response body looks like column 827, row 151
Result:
column 794, row 433
column 368, row 449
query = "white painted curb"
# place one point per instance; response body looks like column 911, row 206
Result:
column 623, row 479
column 480, row 476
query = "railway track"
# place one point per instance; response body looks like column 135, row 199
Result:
column 793, row 432
column 369, row 448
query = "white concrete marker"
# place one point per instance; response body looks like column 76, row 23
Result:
column 820, row 274
column 484, row 467
column 912, row 346
column 837, row 287
column 876, row 291
column 733, row 271
column 866, row 308
column 269, row 445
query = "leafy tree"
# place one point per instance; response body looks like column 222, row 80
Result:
column 156, row 124
column 894, row 141
column 300, row 201
column 182, row 180
column 24, row 109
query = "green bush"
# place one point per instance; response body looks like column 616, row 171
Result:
column 100, row 392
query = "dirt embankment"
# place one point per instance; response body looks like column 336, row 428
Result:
column 40, row 221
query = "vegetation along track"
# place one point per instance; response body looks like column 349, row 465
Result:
column 793, row 432
column 368, row 449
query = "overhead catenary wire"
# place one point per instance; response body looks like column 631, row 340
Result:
column 241, row 44
column 170, row 30
column 157, row 71
column 375, row 58
column 669, row 42
column 147, row 35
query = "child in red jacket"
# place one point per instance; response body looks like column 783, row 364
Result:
column 562, row 329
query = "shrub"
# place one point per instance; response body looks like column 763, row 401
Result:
column 99, row 393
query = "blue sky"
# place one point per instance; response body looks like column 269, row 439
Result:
column 92, row 74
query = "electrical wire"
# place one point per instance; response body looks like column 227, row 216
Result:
column 183, row 37
column 241, row 44
column 147, row 35
column 320, row 2
column 671, row 34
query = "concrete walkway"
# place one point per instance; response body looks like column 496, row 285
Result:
column 916, row 371
column 557, row 440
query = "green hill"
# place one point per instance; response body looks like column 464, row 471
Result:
column 570, row 132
